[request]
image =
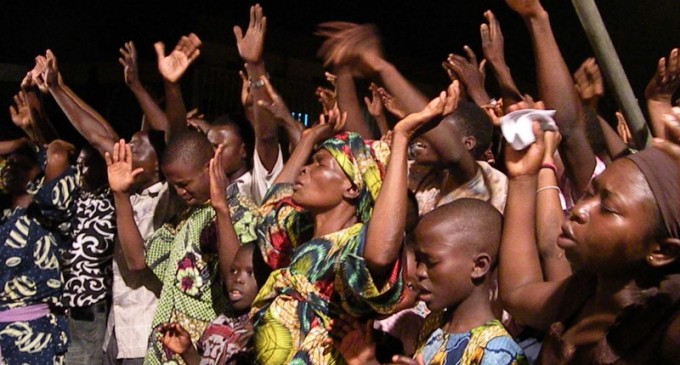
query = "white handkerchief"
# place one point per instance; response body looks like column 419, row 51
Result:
column 516, row 126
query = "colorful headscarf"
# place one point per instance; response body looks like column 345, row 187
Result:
column 364, row 164
column 663, row 176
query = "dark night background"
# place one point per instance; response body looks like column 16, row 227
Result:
column 417, row 35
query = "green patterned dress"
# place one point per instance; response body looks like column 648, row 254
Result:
column 184, row 257
column 315, row 280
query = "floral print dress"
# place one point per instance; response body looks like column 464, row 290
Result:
column 316, row 279
column 184, row 258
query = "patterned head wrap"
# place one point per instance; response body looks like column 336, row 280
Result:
column 663, row 176
column 364, row 164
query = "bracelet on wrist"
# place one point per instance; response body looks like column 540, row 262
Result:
column 548, row 188
column 550, row 166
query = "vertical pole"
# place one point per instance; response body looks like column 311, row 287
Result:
column 613, row 72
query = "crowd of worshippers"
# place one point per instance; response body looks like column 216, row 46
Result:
column 464, row 229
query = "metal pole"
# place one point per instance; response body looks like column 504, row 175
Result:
column 613, row 71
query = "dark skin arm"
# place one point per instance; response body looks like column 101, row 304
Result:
column 227, row 240
column 153, row 114
column 384, row 236
column 470, row 75
column 278, row 108
column 172, row 67
column 121, row 180
column 58, row 152
column 615, row 146
column 523, row 292
column 92, row 126
column 348, row 101
column 375, row 109
column 493, row 48
column 40, row 125
column 557, row 91
column 250, row 47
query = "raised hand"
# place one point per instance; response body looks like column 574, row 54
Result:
column 218, row 182
column 251, row 44
column 525, row 8
column 119, row 168
column 19, row 112
column 246, row 96
column 622, row 129
column 470, row 74
column 436, row 107
column 528, row 161
column 128, row 60
column 175, row 338
column 671, row 145
column 351, row 44
column 373, row 104
column 390, row 103
column 326, row 98
column 589, row 84
column 277, row 107
column 50, row 74
column 666, row 79
column 328, row 125
column 173, row 66
column 492, row 40
column 331, row 78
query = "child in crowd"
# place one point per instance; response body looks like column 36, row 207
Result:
column 227, row 339
column 456, row 250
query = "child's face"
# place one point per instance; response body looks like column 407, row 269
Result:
column 412, row 289
column 611, row 227
column 444, row 266
column 191, row 183
column 241, row 285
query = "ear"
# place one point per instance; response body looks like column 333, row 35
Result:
column 242, row 151
column 351, row 191
column 470, row 142
column 664, row 253
column 482, row 266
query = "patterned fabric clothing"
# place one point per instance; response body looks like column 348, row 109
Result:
column 31, row 274
column 316, row 280
column 87, row 260
column 184, row 258
column 488, row 344
column 489, row 185
column 226, row 341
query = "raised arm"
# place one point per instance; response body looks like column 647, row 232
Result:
column 121, row 180
column 310, row 138
column 470, row 75
column 660, row 90
column 42, row 127
column 494, row 53
column 20, row 115
column 549, row 215
column 9, row 146
column 278, row 109
column 153, row 114
column 375, row 109
column 250, row 47
column 447, row 141
column 348, row 101
column 556, row 89
column 522, row 290
column 172, row 67
column 359, row 45
column 92, row 126
column 386, row 227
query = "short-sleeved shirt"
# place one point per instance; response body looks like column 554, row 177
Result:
column 314, row 280
column 488, row 344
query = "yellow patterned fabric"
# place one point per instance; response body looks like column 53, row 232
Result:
column 316, row 280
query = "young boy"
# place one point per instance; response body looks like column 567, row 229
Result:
column 227, row 338
column 182, row 253
column 456, row 249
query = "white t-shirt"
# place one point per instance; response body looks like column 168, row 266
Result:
column 257, row 181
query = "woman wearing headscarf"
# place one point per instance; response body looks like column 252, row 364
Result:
column 329, row 256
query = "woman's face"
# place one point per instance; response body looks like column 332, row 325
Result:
column 322, row 184
column 610, row 229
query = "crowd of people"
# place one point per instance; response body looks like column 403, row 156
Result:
column 444, row 230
